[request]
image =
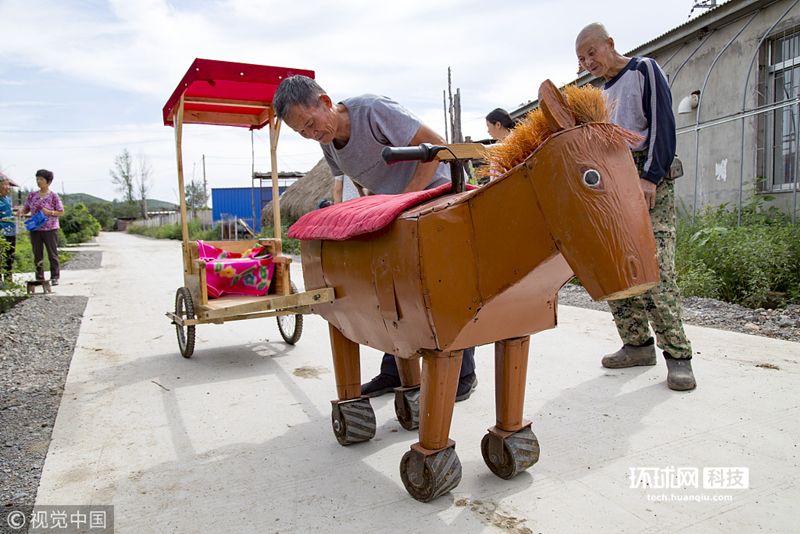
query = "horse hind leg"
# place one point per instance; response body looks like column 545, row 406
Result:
column 510, row 446
column 407, row 397
column 352, row 416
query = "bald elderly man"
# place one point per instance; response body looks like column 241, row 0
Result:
column 639, row 100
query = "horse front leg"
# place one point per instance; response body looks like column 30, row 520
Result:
column 352, row 416
column 510, row 447
column 432, row 468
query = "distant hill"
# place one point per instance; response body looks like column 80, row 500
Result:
column 153, row 205
column 70, row 199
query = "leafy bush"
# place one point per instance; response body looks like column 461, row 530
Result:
column 174, row 231
column 78, row 224
column 288, row 246
column 715, row 258
column 103, row 213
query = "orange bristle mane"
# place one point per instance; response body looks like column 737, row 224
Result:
column 589, row 106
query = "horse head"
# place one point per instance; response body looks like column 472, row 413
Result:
column 588, row 190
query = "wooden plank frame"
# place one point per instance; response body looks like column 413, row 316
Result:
column 280, row 295
column 463, row 151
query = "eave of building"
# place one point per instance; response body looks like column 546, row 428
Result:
column 689, row 31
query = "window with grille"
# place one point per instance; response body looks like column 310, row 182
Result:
column 782, row 86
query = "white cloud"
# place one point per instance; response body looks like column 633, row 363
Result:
column 96, row 73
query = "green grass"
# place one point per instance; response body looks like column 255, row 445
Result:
column 174, row 231
column 716, row 258
column 24, row 255
column 289, row 246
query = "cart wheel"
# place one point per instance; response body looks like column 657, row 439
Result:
column 406, row 407
column 185, row 309
column 353, row 421
column 428, row 477
column 512, row 455
column 291, row 326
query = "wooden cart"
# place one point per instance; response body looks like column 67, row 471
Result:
column 233, row 94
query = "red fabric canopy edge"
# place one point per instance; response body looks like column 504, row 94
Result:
column 226, row 80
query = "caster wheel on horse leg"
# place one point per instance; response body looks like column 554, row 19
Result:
column 353, row 421
column 406, row 407
column 507, row 457
column 428, row 477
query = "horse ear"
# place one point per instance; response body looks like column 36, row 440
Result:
column 555, row 108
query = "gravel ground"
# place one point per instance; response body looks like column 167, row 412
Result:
column 37, row 340
column 779, row 324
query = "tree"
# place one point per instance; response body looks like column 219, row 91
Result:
column 123, row 175
column 195, row 196
column 143, row 171
column 102, row 212
column 79, row 225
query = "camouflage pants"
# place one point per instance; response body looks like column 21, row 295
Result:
column 660, row 307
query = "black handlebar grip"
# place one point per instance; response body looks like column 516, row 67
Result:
column 410, row 153
column 425, row 153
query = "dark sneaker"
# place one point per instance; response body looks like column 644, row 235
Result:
column 631, row 356
column 379, row 385
column 54, row 282
column 465, row 386
column 679, row 374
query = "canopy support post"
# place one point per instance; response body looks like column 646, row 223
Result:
column 178, row 122
column 274, row 130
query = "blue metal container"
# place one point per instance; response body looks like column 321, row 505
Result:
column 231, row 202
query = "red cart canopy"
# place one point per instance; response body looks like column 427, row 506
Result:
column 229, row 94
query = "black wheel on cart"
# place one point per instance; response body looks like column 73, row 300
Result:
column 184, row 308
column 291, row 326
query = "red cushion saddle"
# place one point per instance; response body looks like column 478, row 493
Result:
column 359, row 216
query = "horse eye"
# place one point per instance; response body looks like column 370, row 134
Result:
column 591, row 178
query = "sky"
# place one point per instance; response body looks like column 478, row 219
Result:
column 83, row 80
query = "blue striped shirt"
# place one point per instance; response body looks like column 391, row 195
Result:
column 640, row 100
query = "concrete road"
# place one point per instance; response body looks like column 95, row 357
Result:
column 238, row 438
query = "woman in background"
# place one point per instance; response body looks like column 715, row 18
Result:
column 499, row 124
column 49, row 203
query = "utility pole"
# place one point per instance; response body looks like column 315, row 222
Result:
column 444, row 108
column 455, row 112
column 205, row 184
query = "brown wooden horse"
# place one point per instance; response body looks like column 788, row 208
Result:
column 483, row 266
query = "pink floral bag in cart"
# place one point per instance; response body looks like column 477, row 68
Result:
column 231, row 273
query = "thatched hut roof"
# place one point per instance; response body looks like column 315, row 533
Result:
column 303, row 196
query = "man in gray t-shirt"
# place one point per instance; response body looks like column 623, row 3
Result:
column 352, row 134
column 376, row 122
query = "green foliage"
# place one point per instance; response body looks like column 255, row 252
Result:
column 196, row 197
column 11, row 291
column 715, row 258
column 173, row 231
column 24, row 256
column 103, row 213
column 128, row 210
column 289, row 246
column 78, row 224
